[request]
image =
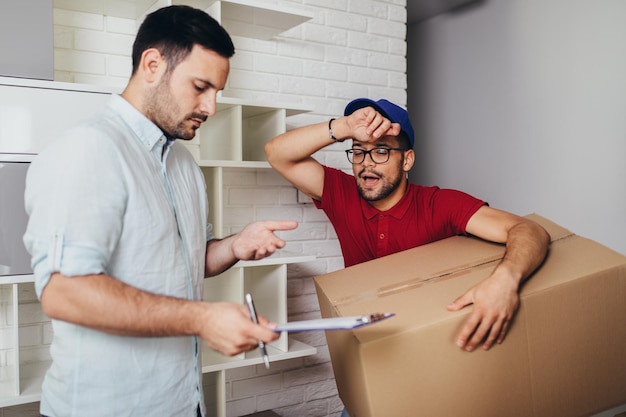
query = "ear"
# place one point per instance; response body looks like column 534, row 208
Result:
column 152, row 65
column 409, row 160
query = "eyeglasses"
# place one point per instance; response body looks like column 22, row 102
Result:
column 377, row 155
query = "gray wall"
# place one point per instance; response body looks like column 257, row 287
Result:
column 523, row 103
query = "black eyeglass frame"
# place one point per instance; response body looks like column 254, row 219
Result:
column 365, row 153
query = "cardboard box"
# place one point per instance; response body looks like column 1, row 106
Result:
column 564, row 356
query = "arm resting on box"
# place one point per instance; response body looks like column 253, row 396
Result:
column 496, row 298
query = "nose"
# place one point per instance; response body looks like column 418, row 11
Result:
column 208, row 105
column 368, row 161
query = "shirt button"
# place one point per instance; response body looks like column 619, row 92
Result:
column 381, row 236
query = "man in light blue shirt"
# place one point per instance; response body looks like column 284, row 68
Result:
column 120, row 242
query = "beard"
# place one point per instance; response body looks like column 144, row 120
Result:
column 162, row 108
column 387, row 185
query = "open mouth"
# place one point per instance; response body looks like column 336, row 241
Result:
column 369, row 180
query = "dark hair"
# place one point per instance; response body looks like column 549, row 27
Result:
column 174, row 30
column 403, row 140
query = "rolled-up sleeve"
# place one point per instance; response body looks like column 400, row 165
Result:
column 75, row 197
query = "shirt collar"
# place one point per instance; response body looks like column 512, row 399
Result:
column 149, row 134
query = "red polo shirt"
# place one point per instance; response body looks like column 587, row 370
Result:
column 423, row 215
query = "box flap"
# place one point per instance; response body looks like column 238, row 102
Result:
column 410, row 268
column 407, row 269
column 568, row 258
column 417, row 307
column 555, row 231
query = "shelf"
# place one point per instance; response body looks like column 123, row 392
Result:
column 252, row 107
column 232, row 164
column 235, row 136
column 56, row 85
column 256, row 108
column 278, row 258
column 214, row 362
column 127, row 9
column 30, row 385
column 26, row 111
column 246, row 18
column 16, row 279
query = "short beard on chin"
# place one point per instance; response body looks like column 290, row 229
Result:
column 179, row 132
column 384, row 192
column 388, row 187
column 161, row 106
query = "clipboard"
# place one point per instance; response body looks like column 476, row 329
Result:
column 333, row 323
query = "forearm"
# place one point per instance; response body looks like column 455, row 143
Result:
column 496, row 298
column 104, row 303
column 219, row 256
column 298, row 145
column 290, row 154
column 526, row 248
column 256, row 241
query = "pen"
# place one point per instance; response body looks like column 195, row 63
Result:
column 255, row 319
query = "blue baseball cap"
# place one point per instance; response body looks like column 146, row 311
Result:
column 391, row 111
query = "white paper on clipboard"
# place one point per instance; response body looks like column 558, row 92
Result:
column 333, row 323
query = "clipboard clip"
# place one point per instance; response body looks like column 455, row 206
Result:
column 333, row 323
column 373, row 318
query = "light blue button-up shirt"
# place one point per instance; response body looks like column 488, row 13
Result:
column 112, row 196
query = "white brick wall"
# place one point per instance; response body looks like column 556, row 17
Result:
column 351, row 48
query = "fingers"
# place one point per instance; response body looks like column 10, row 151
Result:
column 376, row 125
column 461, row 302
column 277, row 225
column 503, row 332
column 494, row 305
column 264, row 321
column 481, row 328
column 470, row 327
column 269, row 243
column 259, row 240
column 381, row 126
column 228, row 329
column 264, row 250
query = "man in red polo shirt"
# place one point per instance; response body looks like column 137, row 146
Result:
column 377, row 212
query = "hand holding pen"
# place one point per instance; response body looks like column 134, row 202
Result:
column 255, row 319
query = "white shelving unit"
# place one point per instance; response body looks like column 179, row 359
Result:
column 259, row 19
column 34, row 111
column 249, row 126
